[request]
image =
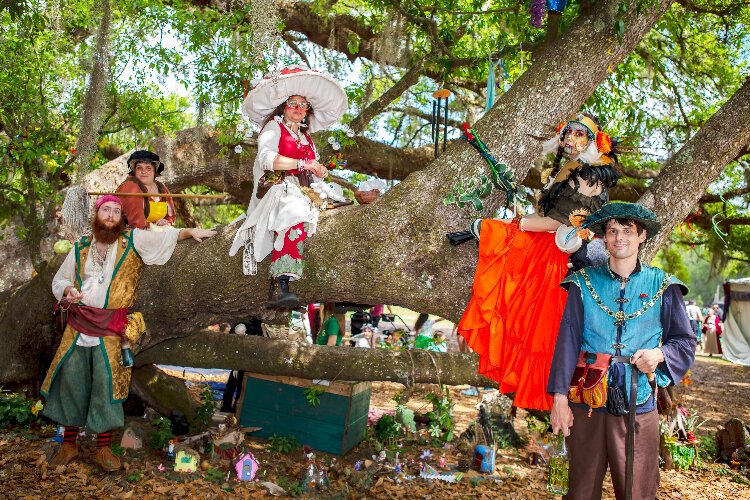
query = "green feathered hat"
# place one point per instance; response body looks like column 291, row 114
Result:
column 597, row 221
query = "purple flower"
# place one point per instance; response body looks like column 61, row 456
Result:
column 538, row 11
column 426, row 455
column 358, row 465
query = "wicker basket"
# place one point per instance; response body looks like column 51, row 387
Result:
column 366, row 197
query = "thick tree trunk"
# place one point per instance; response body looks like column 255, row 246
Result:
column 393, row 251
column 685, row 177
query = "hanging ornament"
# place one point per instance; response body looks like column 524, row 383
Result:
column 490, row 89
column 337, row 160
column 238, row 149
column 480, row 187
column 557, row 6
column 537, row 11
column 437, row 107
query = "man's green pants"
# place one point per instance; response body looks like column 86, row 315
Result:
column 80, row 394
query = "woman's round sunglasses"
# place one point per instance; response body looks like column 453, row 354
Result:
column 295, row 104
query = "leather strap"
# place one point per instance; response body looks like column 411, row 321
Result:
column 630, row 443
column 630, row 438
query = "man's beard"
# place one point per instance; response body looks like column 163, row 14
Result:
column 107, row 235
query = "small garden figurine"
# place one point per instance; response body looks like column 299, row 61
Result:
column 186, row 461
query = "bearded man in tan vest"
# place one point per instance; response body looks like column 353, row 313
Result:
column 90, row 373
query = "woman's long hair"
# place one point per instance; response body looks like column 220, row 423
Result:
column 608, row 175
column 279, row 111
column 421, row 320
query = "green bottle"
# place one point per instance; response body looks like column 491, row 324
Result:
column 559, row 466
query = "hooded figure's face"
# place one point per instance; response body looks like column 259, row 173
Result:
column 575, row 140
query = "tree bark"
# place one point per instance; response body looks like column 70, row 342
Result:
column 393, row 251
column 208, row 349
column 686, row 176
column 163, row 392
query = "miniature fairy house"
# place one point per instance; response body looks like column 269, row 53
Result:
column 186, row 461
column 246, row 466
column 131, row 439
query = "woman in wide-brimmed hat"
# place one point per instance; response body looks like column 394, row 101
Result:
column 287, row 106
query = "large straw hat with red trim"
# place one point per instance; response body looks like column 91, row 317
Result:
column 327, row 97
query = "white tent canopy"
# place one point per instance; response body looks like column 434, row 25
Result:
column 735, row 341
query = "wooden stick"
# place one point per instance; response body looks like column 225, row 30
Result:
column 165, row 195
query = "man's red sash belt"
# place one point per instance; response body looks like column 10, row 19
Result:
column 98, row 322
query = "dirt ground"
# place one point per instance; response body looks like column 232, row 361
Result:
column 719, row 391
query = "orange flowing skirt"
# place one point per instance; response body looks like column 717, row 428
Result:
column 515, row 310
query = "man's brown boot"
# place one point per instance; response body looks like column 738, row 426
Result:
column 107, row 460
column 63, row 457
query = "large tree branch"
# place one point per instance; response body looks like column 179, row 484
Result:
column 412, row 111
column 278, row 357
column 727, row 195
column 193, row 157
column 377, row 106
column 685, row 177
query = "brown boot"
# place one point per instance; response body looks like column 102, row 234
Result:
column 63, row 457
column 107, row 460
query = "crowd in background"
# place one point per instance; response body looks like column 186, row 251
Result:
column 707, row 325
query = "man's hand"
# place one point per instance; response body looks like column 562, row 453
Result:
column 71, row 295
column 647, row 359
column 162, row 222
column 196, row 233
column 561, row 416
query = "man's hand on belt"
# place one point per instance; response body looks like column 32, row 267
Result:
column 646, row 360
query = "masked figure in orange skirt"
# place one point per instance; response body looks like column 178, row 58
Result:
column 517, row 303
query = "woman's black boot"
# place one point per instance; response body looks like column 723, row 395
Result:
column 285, row 299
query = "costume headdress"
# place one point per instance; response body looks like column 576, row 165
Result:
column 597, row 222
column 104, row 199
column 322, row 91
column 145, row 156
column 601, row 148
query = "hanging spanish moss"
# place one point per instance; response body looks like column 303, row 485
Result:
column 75, row 212
column 388, row 48
column 94, row 100
column 203, row 106
column 332, row 37
column 265, row 28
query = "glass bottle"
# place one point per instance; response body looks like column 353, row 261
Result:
column 559, row 466
column 314, row 478
column 127, row 355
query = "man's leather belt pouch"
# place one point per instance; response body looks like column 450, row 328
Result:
column 589, row 383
